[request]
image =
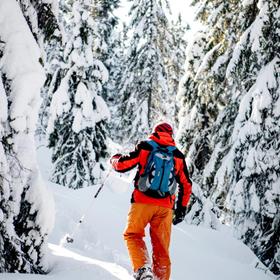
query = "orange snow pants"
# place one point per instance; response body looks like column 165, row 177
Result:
column 160, row 220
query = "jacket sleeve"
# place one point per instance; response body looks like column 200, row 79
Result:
column 185, row 184
column 123, row 163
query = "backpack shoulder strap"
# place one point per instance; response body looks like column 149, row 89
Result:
column 153, row 143
column 152, row 152
column 171, row 148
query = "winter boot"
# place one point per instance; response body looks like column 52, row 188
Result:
column 144, row 273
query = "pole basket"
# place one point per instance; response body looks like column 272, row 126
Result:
column 69, row 239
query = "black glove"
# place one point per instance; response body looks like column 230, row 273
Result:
column 179, row 214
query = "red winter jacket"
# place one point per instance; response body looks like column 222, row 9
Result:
column 139, row 156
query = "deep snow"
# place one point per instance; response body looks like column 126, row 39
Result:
column 98, row 251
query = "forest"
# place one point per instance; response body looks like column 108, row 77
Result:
column 78, row 79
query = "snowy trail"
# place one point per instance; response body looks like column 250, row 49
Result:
column 197, row 253
column 99, row 252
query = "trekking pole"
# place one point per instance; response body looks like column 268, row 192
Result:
column 69, row 238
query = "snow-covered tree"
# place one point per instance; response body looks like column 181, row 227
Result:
column 105, row 22
column 116, row 66
column 44, row 18
column 175, row 60
column 251, row 164
column 51, row 40
column 194, row 129
column 236, row 109
column 108, row 44
column 78, row 112
column 143, row 90
column 25, row 206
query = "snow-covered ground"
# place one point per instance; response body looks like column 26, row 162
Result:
column 99, row 253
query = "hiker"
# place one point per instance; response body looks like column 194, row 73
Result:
column 153, row 200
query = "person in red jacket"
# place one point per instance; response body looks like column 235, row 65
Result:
column 156, row 211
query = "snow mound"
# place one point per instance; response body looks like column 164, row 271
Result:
column 67, row 265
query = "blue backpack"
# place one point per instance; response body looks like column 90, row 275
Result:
column 158, row 179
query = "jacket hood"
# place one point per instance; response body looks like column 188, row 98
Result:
column 163, row 138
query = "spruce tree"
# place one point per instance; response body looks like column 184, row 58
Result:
column 76, row 127
column 116, row 67
column 52, row 40
column 25, row 215
column 251, row 164
column 192, row 136
column 46, row 23
column 175, row 60
column 235, row 103
column 108, row 44
column 105, row 23
column 143, row 90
